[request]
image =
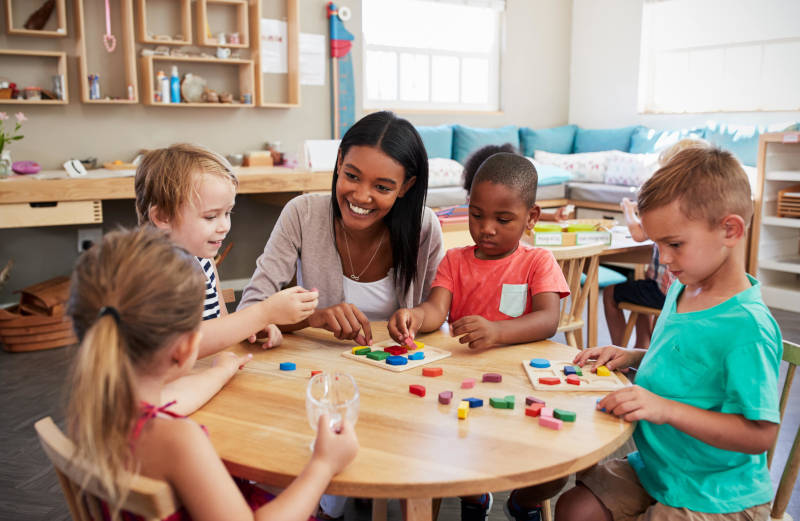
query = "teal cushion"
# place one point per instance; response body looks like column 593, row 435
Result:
column 599, row 140
column 606, row 277
column 467, row 140
column 558, row 140
column 551, row 174
column 648, row 140
column 742, row 141
column 438, row 141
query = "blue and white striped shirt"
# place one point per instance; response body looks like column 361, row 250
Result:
column 211, row 302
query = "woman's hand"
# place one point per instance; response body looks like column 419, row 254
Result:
column 345, row 321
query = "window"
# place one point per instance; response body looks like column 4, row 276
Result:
column 432, row 54
column 720, row 56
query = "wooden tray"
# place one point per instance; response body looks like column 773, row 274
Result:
column 789, row 202
column 432, row 354
column 589, row 381
column 46, row 298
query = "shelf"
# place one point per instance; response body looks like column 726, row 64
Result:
column 61, row 21
column 288, row 83
column 786, row 222
column 783, row 175
column 245, row 72
column 784, row 296
column 790, row 264
column 241, row 27
column 186, row 24
column 60, row 69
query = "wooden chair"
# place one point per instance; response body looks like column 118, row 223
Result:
column 791, row 355
column 575, row 260
column 635, row 311
column 149, row 498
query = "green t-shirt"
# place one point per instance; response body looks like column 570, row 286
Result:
column 723, row 359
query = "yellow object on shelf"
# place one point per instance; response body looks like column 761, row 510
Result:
column 547, row 227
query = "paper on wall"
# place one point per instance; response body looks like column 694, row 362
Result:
column 273, row 46
column 320, row 154
column 312, row 59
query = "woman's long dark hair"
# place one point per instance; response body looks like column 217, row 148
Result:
column 398, row 139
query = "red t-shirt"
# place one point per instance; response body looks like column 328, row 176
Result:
column 498, row 289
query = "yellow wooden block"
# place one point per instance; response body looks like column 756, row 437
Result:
column 463, row 410
column 420, row 345
column 603, row 371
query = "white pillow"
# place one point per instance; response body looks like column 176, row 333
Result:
column 444, row 172
column 630, row 169
column 587, row 167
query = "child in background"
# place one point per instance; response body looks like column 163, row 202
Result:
column 651, row 291
column 706, row 397
column 188, row 192
column 140, row 329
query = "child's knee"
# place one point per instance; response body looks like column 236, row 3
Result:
column 580, row 504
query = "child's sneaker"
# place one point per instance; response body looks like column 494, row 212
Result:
column 477, row 511
column 515, row 513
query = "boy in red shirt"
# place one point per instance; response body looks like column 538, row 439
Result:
column 498, row 281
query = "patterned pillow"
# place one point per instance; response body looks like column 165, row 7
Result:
column 444, row 172
column 588, row 167
column 630, row 169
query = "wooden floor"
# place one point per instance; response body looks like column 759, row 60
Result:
column 32, row 385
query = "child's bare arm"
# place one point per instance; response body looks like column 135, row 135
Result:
column 725, row 431
column 192, row 391
column 428, row 316
column 632, row 220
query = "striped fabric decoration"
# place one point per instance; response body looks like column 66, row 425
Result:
column 211, row 302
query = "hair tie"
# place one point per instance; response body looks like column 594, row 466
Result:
column 109, row 310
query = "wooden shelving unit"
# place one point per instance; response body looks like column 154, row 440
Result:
column 293, row 55
column 125, row 46
column 245, row 72
column 59, row 32
column 242, row 24
column 61, row 68
column 775, row 254
column 186, row 24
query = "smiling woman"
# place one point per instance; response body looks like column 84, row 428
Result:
column 371, row 246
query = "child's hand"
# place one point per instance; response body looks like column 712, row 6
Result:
column 612, row 357
column 636, row 403
column 562, row 214
column 292, row 305
column 404, row 324
column 476, row 331
column 345, row 321
column 629, row 209
column 335, row 449
column 269, row 337
column 231, row 362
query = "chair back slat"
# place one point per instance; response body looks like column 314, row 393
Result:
column 791, row 355
column 574, row 261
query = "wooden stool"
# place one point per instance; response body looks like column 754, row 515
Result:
column 635, row 310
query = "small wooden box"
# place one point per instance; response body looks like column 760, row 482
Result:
column 22, row 215
column 789, row 202
column 258, row 158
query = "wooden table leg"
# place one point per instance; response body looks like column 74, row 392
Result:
column 379, row 509
column 419, row 509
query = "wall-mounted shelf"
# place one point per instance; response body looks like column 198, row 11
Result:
column 60, row 69
column 61, row 19
column 292, row 81
column 241, row 27
column 245, row 73
column 186, row 24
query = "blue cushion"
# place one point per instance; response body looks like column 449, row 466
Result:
column 552, row 175
column 467, row 140
column 557, row 140
column 648, row 140
column 598, row 140
column 606, row 277
column 438, row 140
column 742, row 141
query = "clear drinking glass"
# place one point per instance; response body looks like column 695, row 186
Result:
column 334, row 393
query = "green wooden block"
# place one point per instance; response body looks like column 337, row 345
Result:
column 363, row 351
column 561, row 414
column 510, row 401
column 578, row 371
column 498, row 403
column 378, row 355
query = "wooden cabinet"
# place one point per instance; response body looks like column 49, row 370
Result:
column 57, row 66
column 14, row 19
column 775, row 253
column 244, row 73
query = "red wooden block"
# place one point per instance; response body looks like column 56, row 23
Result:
column 419, row 390
column 492, row 377
column 315, row 372
column 573, row 379
column 432, row 371
column 533, row 409
column 549, row 380
column 396, row 350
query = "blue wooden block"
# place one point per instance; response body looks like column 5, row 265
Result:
column 288, row 366
column 598, row 405
column 474, row 402
column 568, row 370
column 540, row 363
column 396, row 360
column 416, row 356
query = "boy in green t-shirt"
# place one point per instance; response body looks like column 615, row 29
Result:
column 706, row 394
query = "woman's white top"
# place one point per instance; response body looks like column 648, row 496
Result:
column 377, row 300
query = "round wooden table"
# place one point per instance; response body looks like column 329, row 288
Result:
column 411, row 447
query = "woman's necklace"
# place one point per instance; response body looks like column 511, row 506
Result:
column 352, row 269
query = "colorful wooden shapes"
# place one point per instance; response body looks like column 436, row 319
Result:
column 510, row 401
column 498, row 403
column 419, row 390
column 288, row 366
column 445, row 397
column 492, row 377
column 554, row 378
column 378, row 355
column 550, row 423
column 549, row 380
column 474, row 402
column 361, row 350
column 396, row 360
column 547, row 411
column 463, row 410
column 409, row 342
column 563, row 415
column 530, row 400
column 569, row 369
column 573, row 380
column 597, row 405
column 578, row 370
column 431, row 371
column 315, row 372
column 416, row 356
column 468, row 383
column 603, row 371
column 419, row 345
column 540, row 363
column 534, row 409
column 396, row 350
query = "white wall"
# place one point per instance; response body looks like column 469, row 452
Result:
column 604, row 72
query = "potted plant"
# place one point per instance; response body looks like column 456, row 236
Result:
column 6, row 137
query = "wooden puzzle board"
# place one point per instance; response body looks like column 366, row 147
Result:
column 432, row 354
column 589, row 381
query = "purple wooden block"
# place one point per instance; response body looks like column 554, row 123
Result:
column 445, row 397
column 532, row 399
column 492, row 377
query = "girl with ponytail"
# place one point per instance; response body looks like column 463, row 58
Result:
column 136, row 302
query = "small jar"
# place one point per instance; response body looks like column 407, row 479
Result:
column 33, row 93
